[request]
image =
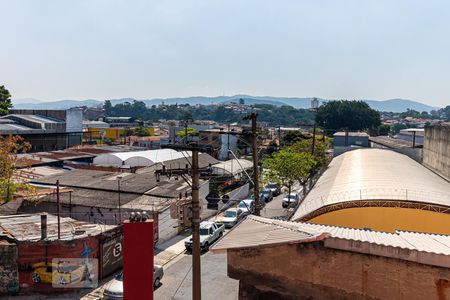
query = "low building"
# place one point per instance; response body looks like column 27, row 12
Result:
column 121, row 122
column 105, row 197
column 345, row 141
column 219, row 142
column 275, row 259
column 45, row 129
column 34, row 255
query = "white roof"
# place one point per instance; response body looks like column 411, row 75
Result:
column 139, row 158
column 375, row 174
column 232, row 166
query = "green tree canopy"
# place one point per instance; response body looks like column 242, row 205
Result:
column 10, row 182
column 287, row 166
column 354, row 115
column 320, row 151
column 5, row 101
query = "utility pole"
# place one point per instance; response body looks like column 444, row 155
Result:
column 196, row 206
column 58, row 207
column 196, row 272
column 118, row 190
column 279, row 136
column 314, row 139
column 253, row 117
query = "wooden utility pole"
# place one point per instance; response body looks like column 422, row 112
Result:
column 196, row 207
column 196, row 271
column 252, row 117
column 58, row 207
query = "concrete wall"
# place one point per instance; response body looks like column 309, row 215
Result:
column 436, row 150
column 312, row 271
column 74, row 120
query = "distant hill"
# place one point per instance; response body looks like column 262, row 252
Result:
column 394, row 105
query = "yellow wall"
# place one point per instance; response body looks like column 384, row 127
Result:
column 387, row 219
column 112, row 133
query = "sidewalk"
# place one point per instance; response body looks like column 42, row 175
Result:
column 170, row 249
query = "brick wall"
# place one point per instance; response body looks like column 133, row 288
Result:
column 311, row 271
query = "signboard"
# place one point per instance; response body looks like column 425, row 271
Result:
column 112, row 252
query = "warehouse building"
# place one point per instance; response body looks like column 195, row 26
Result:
column 381, row 190
column 45, row 130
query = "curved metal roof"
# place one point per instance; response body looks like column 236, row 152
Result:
column 375, row 174
column 139, row 158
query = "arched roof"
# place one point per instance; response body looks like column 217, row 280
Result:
column 139, row 158
column 372, row 175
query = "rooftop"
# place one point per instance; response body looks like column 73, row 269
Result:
column 374, row 174
column 261, row 232
column 391, row 143
column 28, row 228
column 342, row 133
column 139, row 158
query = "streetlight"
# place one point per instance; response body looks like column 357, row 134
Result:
column 119, row 178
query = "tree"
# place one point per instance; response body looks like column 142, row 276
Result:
column 108, row 108
column 384, row 129
column 287, row 166
column 141, row 131
column 186, row 133
column 10, row 182
column 353, row 115
column 292, row 136
column 320, row 151
column 5, row 101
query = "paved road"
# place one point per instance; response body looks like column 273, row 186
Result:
column 177, row 280
column 273, row 209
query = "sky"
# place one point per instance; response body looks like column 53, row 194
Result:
column 109, row 49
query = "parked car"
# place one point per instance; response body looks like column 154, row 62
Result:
column 230, row 217
column 114, row 288
column 290, row 200
column 266, row 194
column 247, row 206
column 274, row 187
column 262, row 202
column 209, row 233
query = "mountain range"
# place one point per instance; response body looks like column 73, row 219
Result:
column 394, row 105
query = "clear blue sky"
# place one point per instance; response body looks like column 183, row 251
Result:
column 371, row 49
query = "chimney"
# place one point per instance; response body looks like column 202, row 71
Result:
column 43, row 227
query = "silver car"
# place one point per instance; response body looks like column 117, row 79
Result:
column 114, row 288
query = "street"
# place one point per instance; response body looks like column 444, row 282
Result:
column 273, row 209
column 177, row 281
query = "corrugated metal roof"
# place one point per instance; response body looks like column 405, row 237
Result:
column 28, row 228
column 256, row 231
column 375, row 174
column 232, row 166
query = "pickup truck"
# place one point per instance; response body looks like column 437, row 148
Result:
column 209, row 233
